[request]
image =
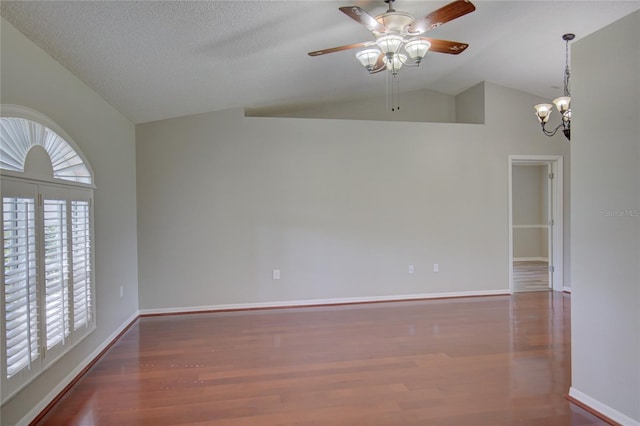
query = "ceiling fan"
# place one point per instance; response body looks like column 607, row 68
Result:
column 397, row 31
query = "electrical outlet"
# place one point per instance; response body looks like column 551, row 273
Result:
column 436, row 267
column 411, row 270
column 121, row 291
column 275, row 274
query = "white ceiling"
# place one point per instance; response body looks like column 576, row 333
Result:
column 154, row 60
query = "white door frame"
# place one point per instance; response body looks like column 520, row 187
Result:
column 556, row 260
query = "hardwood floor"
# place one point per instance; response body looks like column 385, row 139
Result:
column 530, row 276
column 502, row 360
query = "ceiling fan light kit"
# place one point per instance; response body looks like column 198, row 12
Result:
column 417, row 49
column 395, row 62
column 562, row 103
column 398, row 40
column 368, row 58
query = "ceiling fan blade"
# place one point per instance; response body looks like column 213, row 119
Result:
column 340, row 48
column 441, row 16
column 445, row 46
column 361, row 16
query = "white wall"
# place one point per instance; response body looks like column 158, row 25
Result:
column 341, row 207
column 31, row 78
column 420, row 105
column 424, row 105
column 606, row 220
column 470, row 105
column 530, row 206
column 528, row 194
column 500, row 118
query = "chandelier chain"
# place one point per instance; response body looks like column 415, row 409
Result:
column 567, row 71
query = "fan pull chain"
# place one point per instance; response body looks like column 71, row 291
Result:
column 395, row 93
column 387, row 89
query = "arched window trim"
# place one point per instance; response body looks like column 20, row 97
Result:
column 18, row 111
column 48, row 254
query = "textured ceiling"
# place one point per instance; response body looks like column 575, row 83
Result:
column 155, row 60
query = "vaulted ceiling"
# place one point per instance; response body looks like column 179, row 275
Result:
column 154, row 60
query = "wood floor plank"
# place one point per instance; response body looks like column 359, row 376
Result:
column 502, row 360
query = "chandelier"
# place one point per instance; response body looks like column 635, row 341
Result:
column 563, row 103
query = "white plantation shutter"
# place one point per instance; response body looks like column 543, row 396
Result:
column 56, row 272
column 47, row 276
column 19, row 135
column 20, row 283
column 81, row 254
column 48, row 296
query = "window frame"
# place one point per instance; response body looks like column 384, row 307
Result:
column 18, row 111
column 16, row 184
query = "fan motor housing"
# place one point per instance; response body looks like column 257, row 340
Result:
column 395, row 22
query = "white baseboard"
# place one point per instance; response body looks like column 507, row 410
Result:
column 37, row 409
column 310, row 302
column 531, row 259
column 603, row 409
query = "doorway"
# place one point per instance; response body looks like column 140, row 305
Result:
column 535, row 223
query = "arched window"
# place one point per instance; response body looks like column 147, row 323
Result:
column 47, row 245
column 19, row 135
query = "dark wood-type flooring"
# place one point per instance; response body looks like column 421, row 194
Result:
column 502, row 360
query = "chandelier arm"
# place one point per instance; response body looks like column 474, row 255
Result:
column 551, row 133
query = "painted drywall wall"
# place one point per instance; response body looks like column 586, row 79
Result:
column 470, row 105
column 340, row 207
column 530, row 208
column 528, row 192
column 31, row 78
column 509, row 122
column 606, row 220
column 418, row 106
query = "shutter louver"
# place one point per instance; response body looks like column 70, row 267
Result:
column 20, row 283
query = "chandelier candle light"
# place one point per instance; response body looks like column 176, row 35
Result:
column 563, row 103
